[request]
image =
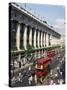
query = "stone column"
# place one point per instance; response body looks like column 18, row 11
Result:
column 30, row 36
column 18, row 37
column 38, row 39
column 53, row 41
column 47, row 39
column 41, row 38
column 35, row 38
column 25, row 37
column 44, row 40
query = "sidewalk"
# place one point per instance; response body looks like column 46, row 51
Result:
column 23, row 67
column 54, row 77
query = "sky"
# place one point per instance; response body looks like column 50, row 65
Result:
column 53, row 14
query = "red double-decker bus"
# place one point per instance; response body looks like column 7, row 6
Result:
column 41, row 68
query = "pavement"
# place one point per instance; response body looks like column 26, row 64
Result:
column 23, row 67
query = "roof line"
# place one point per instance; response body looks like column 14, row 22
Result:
column 33, row 16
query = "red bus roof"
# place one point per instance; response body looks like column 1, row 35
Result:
column 43, row 60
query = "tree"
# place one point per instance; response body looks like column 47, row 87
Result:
column 28, row 53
